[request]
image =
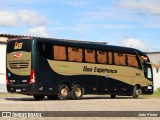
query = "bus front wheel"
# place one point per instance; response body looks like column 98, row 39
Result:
column 63, row 93
column 135, row 92
column 77, row 92
column 38, row 97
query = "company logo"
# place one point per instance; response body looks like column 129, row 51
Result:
column 17, row 55
column 6, row 114
column 18, row 45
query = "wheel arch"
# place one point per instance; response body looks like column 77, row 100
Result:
column 66, row 83
column 138, row 86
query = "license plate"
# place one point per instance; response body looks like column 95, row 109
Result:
column 18, row 90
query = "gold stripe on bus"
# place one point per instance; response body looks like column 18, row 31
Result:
column 129, row 75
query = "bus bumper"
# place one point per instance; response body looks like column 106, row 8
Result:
column 22, row 89
column 147, row 90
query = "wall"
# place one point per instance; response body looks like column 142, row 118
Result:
column 2, row 68
column 156, row 78
column 2, row 64
column 155, row 58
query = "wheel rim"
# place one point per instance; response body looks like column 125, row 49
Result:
column 78, row 92
column 137, row 92
column 64, row 92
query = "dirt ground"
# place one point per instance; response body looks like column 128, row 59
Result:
column 88, row 103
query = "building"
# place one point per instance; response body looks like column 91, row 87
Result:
column 155, row 58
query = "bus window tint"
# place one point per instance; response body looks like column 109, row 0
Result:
column 90, row 56
column 75, row 54
column 59, row 52
column 132, row 60
column 110, row 56
column 101, row 57
column 120, row 59
column 45, row 50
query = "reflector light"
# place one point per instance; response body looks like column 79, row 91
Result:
column 7, row 81
column 32, row 77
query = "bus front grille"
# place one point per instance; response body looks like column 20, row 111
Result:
column 19, row 65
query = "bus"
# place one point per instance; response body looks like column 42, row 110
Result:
column 68, row 69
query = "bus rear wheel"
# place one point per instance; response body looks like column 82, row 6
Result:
column 77, row 92
column 38, row 97
column 63, row 93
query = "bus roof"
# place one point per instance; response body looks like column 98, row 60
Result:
column 91, row 45
column 86, row 44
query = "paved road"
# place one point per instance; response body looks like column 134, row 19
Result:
column 88, row 103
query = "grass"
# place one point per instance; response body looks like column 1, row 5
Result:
column 156, row 94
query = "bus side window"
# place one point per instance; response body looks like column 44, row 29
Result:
column 90, row 56
column 120, row 59
column 45, row 50
column 75, row 54
column 59, row 52
column 132, row 60
column 101, row 56
column 110, row 58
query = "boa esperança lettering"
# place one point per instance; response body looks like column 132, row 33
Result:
column 99, row 70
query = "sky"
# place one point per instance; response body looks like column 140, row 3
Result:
column 131, row 23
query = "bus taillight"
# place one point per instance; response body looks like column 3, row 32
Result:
column 32, row 77
column 7, row 81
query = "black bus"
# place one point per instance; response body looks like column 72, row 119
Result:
column 68, row 69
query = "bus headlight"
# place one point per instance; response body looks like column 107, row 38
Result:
column 149, row 87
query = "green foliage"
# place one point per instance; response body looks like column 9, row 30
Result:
column 157, row 92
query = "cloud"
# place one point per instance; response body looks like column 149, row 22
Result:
column 31, row 18
column 21, row 17
column 38, row 32
column 8, row 18
column 133, row 43
column 75, row 3
column 151, row 7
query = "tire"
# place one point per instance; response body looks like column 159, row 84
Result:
column 113, row 96
column 52, row 97
column 135, row 92
column 77, row 92
column 38, row 97
column 63, row 93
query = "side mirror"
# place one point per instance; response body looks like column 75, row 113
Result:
column 157, row 69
